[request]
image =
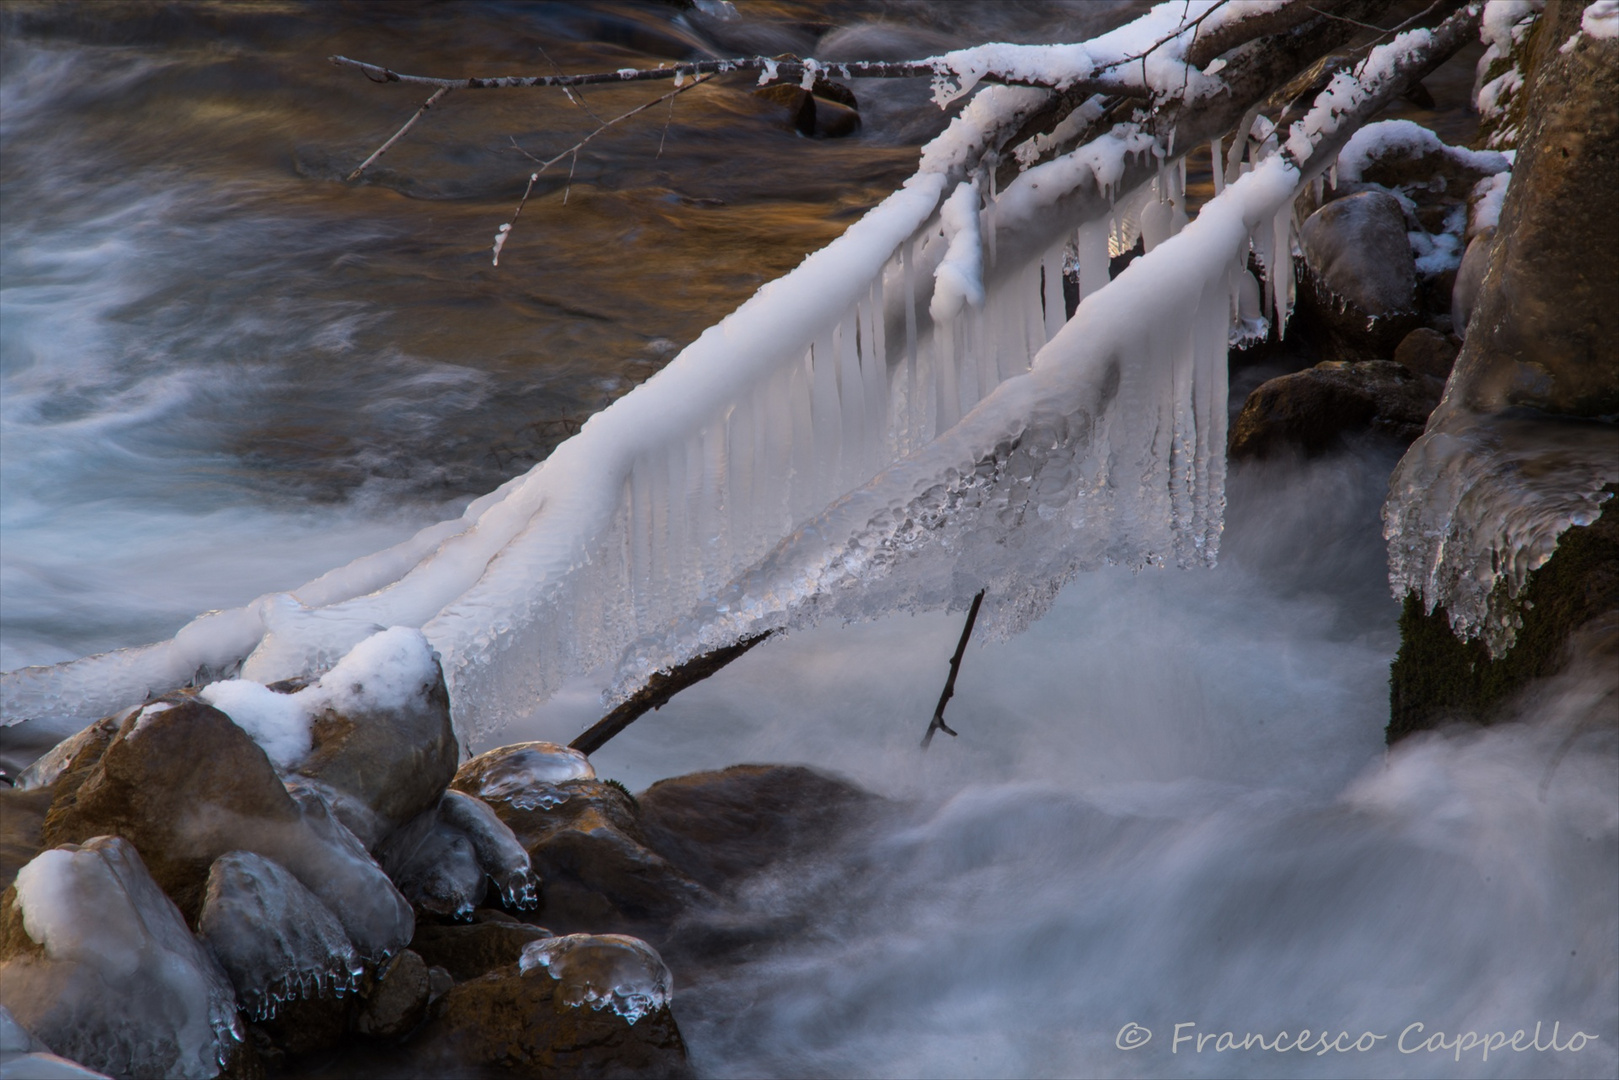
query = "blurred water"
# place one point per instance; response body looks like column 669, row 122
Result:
column 1170, row 804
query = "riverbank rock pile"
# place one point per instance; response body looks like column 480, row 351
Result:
column 1392, row 258
column 240, row 880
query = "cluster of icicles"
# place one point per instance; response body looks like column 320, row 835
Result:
column 300, row 986
column 908, row 417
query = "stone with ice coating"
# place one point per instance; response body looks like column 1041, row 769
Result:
column 496, row 847
column 435, row 866
column 100, row 966
column 604, row 971
column 524, row 774
column 273, row 937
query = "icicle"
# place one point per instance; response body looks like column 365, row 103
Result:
column 1217, row 165
column 1055, row 312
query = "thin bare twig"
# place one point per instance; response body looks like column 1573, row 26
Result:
column 438, row 95
column 937, row 723
column 505, row 230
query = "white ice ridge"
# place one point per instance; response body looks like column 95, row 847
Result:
column 825, row 379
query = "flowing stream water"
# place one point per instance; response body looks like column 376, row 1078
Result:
column 225, row 371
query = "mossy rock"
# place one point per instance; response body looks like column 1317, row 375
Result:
column 1437, row 678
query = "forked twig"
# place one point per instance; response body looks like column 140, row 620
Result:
column 505, row 231
column 937, row 723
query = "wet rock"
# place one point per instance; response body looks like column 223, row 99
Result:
column 559, row 1018
column 1469, row 280
column 398, row 1001
column 720, row 826
column 100, row 966
column 1360, row 274
column 1311, row 411
column 586, row 842
column 1426, row 352
column 494, row 940
column 273, row 937
column 307, row 1025
column 383, row 735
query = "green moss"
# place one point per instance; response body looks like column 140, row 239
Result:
column 619, row 786
column 1437, row 678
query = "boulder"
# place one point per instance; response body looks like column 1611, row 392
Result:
column 23, row 1056
column 381, row 732
column 1311, row 411
column 22, row 828
column 1426, row 352
column 435, row 867
column 566, row 1016
column 1360, row 275
column 718, row 827
column 493, row 940
column 101, row 967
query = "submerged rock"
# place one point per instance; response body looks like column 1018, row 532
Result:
column 1310, row 411
column 720, row 826
column 580, row 1006
column 273, row 937
column 100, row 966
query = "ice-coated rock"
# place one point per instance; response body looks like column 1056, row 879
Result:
column 435, row 866
column 593, row 856
column 90, row 744
column 604, row 971
column 186, row 785
column 272, row 936
column 381, row 732
column 499, row 853
column 100, row 966
column 333, row 864
column 523, row 774
column 535, row 1025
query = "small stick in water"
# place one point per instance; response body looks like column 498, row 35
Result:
column 383, row 149
column 937, row 723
